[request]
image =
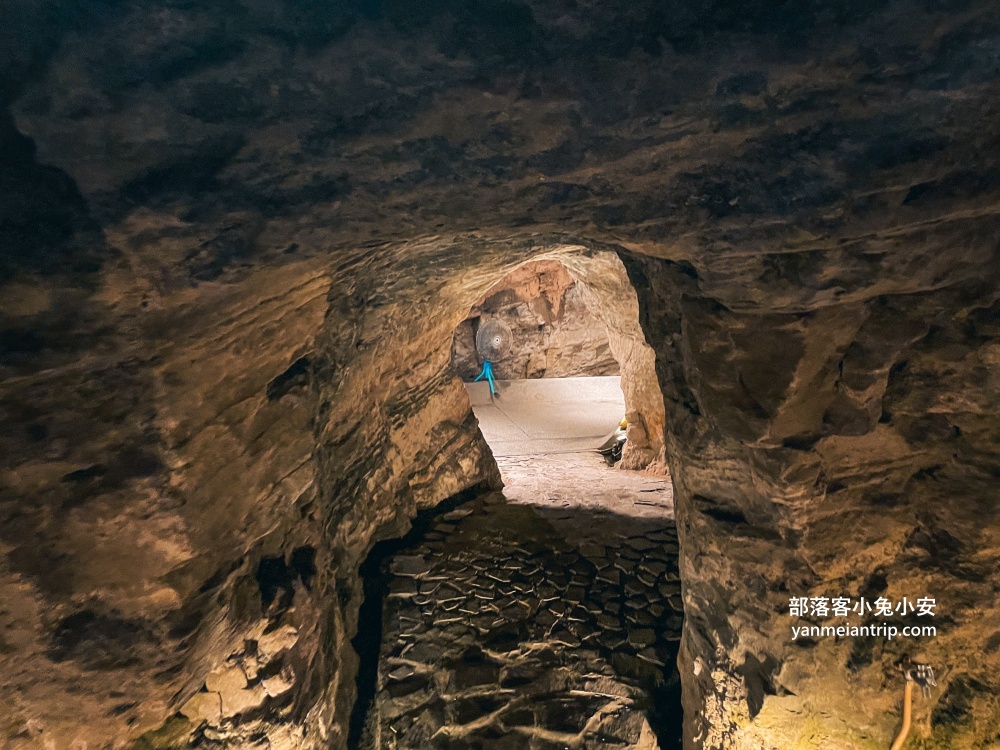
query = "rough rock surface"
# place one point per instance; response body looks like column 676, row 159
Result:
column 555, row 334
column 237, row 239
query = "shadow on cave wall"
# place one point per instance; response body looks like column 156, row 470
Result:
column 49, row 238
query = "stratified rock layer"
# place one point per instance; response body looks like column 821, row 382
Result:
column 236, row 244
column 554, row 333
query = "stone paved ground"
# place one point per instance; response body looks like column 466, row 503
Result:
column 545, row 618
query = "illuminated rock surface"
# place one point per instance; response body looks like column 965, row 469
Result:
column 237, row 239
column 557, row 335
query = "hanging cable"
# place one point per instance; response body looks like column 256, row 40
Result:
column 920, row 674
column 907, row 714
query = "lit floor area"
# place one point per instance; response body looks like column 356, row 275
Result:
column 548, row 415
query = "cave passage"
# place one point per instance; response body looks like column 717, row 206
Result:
column 545, row 616
column 548, row 613
column 247, row 249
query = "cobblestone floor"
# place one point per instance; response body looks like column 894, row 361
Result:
column 545, row 618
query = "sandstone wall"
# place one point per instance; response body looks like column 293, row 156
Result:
column 219, row 223
column 861, row 471
column 291, row 419
column 555, row 334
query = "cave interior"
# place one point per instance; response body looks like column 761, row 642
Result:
column 246, row 502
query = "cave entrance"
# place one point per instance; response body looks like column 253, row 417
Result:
column 547, row 615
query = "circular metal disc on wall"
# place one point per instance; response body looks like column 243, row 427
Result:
column 494, row 340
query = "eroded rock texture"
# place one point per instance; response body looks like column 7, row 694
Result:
column 864, row 471
column 237, row 239
column 555, row 334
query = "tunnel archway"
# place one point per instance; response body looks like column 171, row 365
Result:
column 610, row 602
column 586, row 314
column 380, row 429
column 234, row 242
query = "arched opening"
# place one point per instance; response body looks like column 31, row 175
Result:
column 538, row 366
column 549, row 614
column 237, row 242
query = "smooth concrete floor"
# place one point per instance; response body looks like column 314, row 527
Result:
column 548, row 415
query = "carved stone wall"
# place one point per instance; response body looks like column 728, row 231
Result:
column 237, row 240
column 554, row 333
